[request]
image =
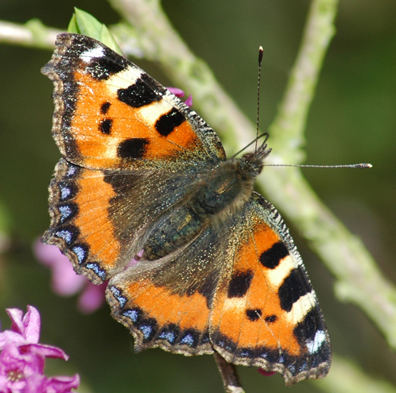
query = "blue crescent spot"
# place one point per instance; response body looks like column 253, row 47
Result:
column 303, row 367
column 117, row 294
column 187, row 339
column 65, row 192
column 97, row 270
column 71, row 171
column 205, row 339
column 133, row 315
column 65, row 212
column 245, row 354
column 65, row 235
column 221, row 343
column 146, row 330
column 168, row 335
column 292, row 368
column 80, row 252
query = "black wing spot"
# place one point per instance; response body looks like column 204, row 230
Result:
column 271, row 318
column 253, row 314
column 308, row 327
column 104, row 108
column 239, row 284
column 294, row 286
column 271, row 257
column 132, row 148
column 168, row 122
column 105, row 126
column 102, row 68
column 139, row 94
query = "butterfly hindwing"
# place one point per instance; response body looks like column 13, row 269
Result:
column 243, row 293
column 166, row 303
column 80, row 227
column 110, row 114
column 100, row 219
column 265, row 312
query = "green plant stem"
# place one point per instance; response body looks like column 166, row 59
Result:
column 32, row 34
column 287, row 130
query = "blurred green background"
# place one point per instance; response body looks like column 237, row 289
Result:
column 352, row 119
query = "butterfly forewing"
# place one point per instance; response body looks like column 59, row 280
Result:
column 110, row 114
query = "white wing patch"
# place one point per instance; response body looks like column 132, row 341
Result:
column 123, row 79
column 316, row 343
column 151, row 113
column 301, row 307
column 89, row 54
column 276, row 276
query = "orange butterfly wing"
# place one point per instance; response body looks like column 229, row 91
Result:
column 109, row 114
column 265, row 312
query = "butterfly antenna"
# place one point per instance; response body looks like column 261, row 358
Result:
column 361, row 165
column 263, row 151
column 263, row 135
column 263, row 147
column 260, row 62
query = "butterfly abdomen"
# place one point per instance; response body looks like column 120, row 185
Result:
column 217, row 194
column 171, row 232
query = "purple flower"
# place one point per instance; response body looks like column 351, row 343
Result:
column 180, row 93
column 65, row 281
column 22, row 357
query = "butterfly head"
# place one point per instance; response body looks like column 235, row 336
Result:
column 251, row 163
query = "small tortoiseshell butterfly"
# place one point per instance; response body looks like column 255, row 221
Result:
column 142, row 174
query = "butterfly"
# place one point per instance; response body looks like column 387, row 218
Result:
column 144, row 197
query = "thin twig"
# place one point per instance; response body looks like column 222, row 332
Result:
column 228, row 375
column 33, row 34
column 287, row 130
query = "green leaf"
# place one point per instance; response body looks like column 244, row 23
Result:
column 73, row 27
column 84, row 23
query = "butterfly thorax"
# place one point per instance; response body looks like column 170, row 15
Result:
column 216, row 194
